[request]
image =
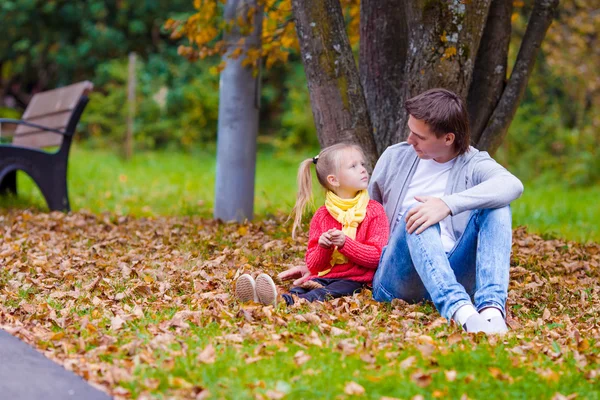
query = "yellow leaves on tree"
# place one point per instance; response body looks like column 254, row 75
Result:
column 205, row 30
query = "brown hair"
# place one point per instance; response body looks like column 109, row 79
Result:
column 327, row 162
column 444, row 112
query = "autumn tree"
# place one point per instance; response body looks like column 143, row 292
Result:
column 405, row 47
column 48, row 43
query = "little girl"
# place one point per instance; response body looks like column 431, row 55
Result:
column 346, row 235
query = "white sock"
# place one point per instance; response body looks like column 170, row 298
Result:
column 490, row 312
column 462, row 314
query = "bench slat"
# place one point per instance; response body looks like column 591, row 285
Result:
column 56, row 100
column 56, row 121
column 52, row 109
column 38, row 141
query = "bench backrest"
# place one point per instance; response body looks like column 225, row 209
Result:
column 52, row 109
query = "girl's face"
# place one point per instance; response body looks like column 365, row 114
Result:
column 352, row 175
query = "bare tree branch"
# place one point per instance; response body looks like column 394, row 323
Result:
column 489, row 74
column 539, row 21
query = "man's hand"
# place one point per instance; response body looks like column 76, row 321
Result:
column 325, row 240
column 338, row 238
column 421, row 217
column 300, row 273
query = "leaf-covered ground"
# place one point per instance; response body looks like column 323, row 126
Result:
column 143, row 308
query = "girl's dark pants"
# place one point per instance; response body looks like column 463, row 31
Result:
column 332, row 288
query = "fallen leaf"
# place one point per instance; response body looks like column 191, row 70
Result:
column 301, row 358
column 208, row 355
column 116, row 323
column 354, row 389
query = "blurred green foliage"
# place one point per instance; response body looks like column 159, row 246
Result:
column 176, row 104
column 56, row 42
column 553, row 137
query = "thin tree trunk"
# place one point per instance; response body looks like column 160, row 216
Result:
column 238, row 123
column 131, row 84
column 539, row 21
column 383, row 45
column 489, row 75
column 337, row 100
column 443, row 41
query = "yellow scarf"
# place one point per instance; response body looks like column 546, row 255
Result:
column 348, row 212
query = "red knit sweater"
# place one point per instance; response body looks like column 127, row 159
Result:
column 362, row 253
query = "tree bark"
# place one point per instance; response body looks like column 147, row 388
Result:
column 336, row 95
column 443, row 40
column 238, row 123
column 383, row 45
column 489, row 75
column 539, row 21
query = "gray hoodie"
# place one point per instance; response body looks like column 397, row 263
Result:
column 476, row 181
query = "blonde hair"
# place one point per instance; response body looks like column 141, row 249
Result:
column 328, row 162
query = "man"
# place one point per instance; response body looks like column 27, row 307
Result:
column 448, row 208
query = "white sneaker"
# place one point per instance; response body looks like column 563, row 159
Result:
column 245, row 289
column 498, row 325
column 476, row 323
column 266, row 291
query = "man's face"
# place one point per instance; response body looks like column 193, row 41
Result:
column 427, row 145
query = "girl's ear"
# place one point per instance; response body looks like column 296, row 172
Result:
column 333, row 181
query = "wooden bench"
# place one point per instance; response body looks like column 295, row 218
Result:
column 49, row 121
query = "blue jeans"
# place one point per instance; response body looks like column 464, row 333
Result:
column 416, row 267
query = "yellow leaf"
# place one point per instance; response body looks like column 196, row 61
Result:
column 179, row 382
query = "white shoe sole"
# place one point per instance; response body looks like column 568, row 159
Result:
column 266, row 291
column 245, row 289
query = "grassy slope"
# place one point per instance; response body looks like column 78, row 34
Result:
column 183, row 184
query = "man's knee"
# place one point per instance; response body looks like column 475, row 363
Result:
column 498, row 217
column 502, row 213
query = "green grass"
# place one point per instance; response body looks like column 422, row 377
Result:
column 556, row 211
column 327, row 372
column 160, row 183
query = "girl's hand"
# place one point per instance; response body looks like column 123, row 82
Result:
column 338, row 238
column 325, row 240
column 300, row 273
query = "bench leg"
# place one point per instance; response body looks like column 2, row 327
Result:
column 9, row 184
column 54, row 189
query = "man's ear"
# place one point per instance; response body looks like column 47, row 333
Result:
column 450, row 139
column 333, row 181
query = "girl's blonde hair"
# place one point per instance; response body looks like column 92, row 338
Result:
column 327, row 162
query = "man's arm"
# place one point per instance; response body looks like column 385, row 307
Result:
column 494, row 187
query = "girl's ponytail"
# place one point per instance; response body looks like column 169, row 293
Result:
column 304, row 194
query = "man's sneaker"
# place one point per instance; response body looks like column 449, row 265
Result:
column 498, row 325
column 266, row 291
column 245, row 288
column 476, row 323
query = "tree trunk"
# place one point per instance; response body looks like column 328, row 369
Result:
column 238, row 123
column 336, row 95
column 489, row 76
column 407, row 47
column 539, row 22
column 443, row 41
column 383, row 45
